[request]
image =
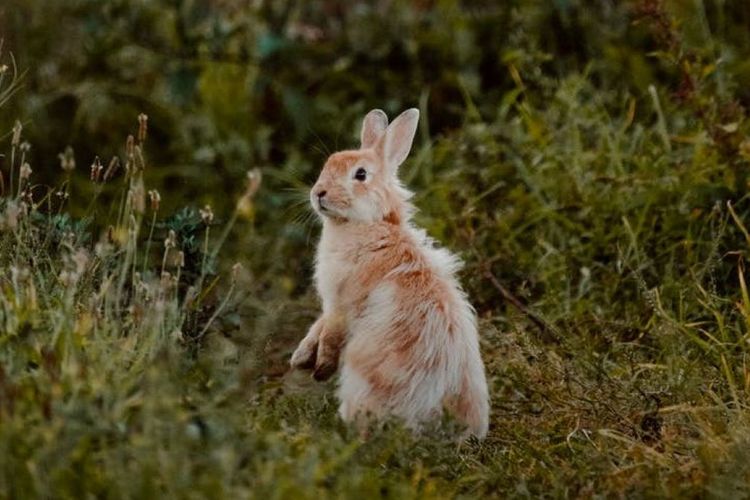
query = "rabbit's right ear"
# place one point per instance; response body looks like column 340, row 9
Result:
column 373, row 126
column 398, row 138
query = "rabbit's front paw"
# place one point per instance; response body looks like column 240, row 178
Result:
column 325, row 369
column 305, row 356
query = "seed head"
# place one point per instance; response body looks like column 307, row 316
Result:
column 67, row 160
column 236, row 270
column 254, row 178
column 25, row 171
column 154, row 198
column 142, row 127
column 207, row 215
column 171, row 241
column 96, row 170
column 129, row 153
column 244, row 204
column 17, row 128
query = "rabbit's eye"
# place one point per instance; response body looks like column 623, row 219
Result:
column 360, row 174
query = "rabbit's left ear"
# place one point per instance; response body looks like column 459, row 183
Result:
column 398, row 138
column 373, row 127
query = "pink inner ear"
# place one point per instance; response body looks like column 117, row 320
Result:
column 399, row 137
column 373, row 127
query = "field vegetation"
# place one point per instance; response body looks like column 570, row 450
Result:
column 590, row 162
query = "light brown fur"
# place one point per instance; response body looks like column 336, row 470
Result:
column 393, row 313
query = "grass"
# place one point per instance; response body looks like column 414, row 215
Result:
column 136, row 362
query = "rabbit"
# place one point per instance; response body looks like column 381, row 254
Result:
column 393, row 310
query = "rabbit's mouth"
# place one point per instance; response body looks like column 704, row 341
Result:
column 324, row 209
column 327, row 210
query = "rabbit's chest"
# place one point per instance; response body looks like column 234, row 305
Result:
column 331, row 274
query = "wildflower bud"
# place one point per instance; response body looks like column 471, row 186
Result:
column 25, row 171
column 96, row 169
column 25, row 147
column 3, row 69
column 171, row 241
column 207, row 215
column 245, row 204
column 154, row 199
column 17, row 128
column 254, row 177
column 236, row 270
column 67, row 160
column 142, row 127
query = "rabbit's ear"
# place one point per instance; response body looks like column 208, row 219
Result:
column 398, row 138
column 373, row 127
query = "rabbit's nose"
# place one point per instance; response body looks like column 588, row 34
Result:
column 321, row 194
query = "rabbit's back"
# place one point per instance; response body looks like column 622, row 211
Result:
column 412, row 334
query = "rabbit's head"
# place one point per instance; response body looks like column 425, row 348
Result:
column 362, row 185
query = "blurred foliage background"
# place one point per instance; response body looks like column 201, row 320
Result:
column 592, row 156
column 234, row 84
